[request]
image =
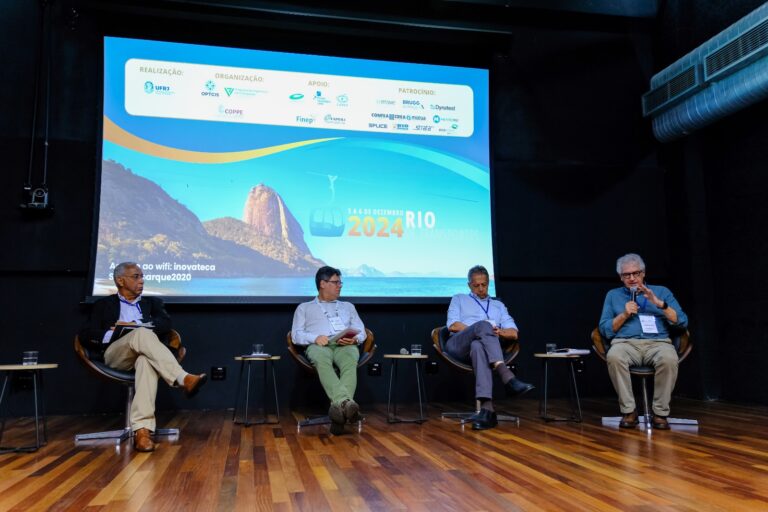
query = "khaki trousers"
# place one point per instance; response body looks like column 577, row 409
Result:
column 660, row 354
column 142, row 350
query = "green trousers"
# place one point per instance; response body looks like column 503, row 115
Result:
column 342, row 386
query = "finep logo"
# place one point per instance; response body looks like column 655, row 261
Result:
column 149, row 87
column 305, row 120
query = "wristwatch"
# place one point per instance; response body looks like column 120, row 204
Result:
column 664, row 306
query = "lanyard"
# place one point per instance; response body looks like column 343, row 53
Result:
column 327, row 316
column 486, row 308
column 136, row 304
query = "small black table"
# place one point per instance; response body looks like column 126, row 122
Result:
column 247, row 361
column 417, row 359
column 571, row 359
column 41, row 438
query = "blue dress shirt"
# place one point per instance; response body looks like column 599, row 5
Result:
column 468, row 309
column 616, row 299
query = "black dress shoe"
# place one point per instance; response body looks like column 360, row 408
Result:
column 486, row 419
column 516, row 387
column 474, row 417
column 629, row 420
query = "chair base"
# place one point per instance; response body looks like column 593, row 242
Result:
column 122, row 434
column 311, row 421
column 463, row 417
column 611, row 421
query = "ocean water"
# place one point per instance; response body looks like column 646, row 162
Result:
column 303, row 286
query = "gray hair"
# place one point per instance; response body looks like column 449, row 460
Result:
column 121, row 268
column 477, row 269
column 629, row 258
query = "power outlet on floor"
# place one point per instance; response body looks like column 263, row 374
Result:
column 218, row 372
column 374, row 369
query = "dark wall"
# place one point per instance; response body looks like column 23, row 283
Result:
column 719, row 183
column 577, row 183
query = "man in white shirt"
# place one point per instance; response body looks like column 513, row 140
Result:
column 315, row 324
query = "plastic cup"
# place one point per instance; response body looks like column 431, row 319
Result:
column 415, row 349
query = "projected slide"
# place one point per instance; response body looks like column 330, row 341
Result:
column 238, row 173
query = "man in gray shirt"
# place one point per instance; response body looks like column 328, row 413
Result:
column 315, row 324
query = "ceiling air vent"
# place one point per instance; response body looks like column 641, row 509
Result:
column 678, row 87
column 737, row 53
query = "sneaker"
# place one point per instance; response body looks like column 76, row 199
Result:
column 336, row 414
column 351, row 411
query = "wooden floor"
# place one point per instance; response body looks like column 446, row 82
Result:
column 216, row 465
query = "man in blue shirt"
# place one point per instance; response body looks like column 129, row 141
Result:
column 637, row 318
column 476, row 322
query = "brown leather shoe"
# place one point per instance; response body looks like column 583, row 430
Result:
column 193, row 383
column 629, row 420
column 660, row 422
column 142, row 441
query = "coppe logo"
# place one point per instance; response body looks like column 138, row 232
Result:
column 230, row 112
column 149, row 87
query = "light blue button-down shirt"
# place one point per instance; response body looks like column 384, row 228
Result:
column 468, row 309
column 615, row 301
column 129, row 312
column 312, row 319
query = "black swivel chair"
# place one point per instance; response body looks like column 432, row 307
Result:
column 440, row 337
column 367, row 348
column 682, row 343
column 97, row 366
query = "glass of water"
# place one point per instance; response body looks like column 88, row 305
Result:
column 415, row 349
column 551, row 347
column 258, row 348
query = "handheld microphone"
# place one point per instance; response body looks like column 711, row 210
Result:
column 633, row 291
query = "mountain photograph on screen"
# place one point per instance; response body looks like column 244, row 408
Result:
column 238, row 173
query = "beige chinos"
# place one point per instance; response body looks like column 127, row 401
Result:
column 141, row 349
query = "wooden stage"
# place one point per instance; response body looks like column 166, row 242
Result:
column 436, row 466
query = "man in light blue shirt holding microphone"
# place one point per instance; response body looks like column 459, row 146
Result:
column 476, row 322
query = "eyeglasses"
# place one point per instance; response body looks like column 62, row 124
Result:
column 335, row 282
column 135, row 276
column 635, row 274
